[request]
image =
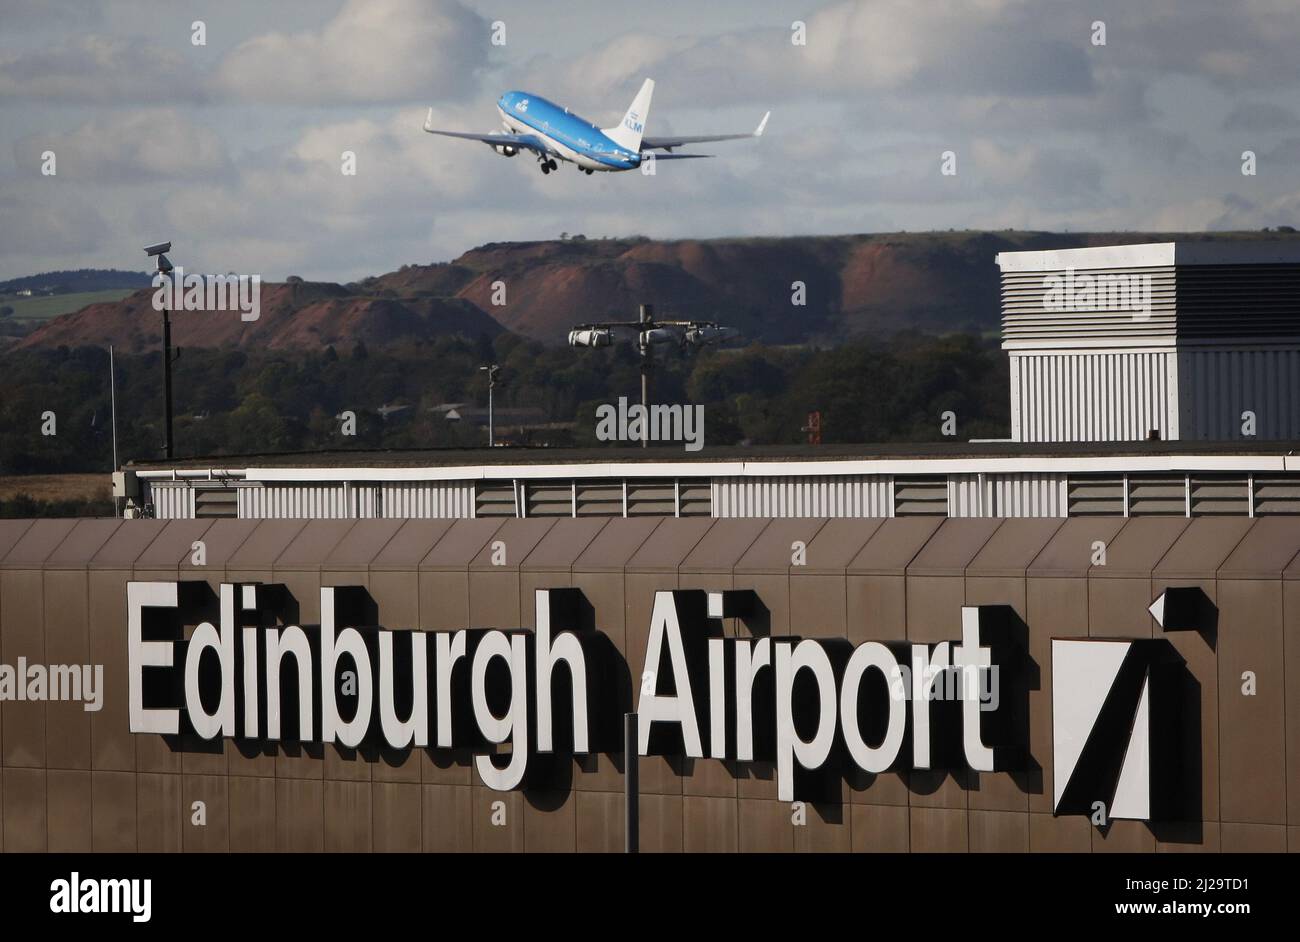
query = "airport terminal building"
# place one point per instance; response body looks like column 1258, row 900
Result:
column 1086, row 638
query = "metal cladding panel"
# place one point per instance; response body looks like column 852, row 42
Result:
column 670, row 543
column 1013, row 546
column 1264, row 552
column 772, row 550
column 1029, row 495
column 1151, row 302
column 175, row 545
column 895, row 543
column 564, row 543
column 313, row 544
column 1238, row 300
column 723, row 546
column 363, row 543
column 171, row 501
column 461, row 543
column 614, row 546
column 1094, row 396
column 1217, row 386
column 519, row 537
column 295, row 502
column 11, row 531
column 36, row 544
column 221, row 539
column 265, row 544
column 411, row 543
column 969, row 495
column 333, row 797
column 1070, row 552
column 952, row 547
column 82, row 542
column 1203, row 547
column 1007, row 495
column 829, row 496
column 364, row 501
column 1088, row 305
column 598, row 498
column 124, row 547
column 1139, row 546
column 839, row 542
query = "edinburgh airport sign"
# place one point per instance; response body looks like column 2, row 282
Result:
column 518, row 700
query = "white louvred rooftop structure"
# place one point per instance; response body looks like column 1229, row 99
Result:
column 1172, row 340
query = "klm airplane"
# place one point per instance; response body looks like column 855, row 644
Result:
column 551, row 132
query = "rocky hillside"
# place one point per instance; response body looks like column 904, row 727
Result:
column 301, row 315
column 856, row 284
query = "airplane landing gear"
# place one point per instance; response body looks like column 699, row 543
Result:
column 588, row 171
column 548, row 165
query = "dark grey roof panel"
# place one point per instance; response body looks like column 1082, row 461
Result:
column 37, row 543
column 1203, row 546
column 82, row 542
column 363, row 543
column 774, row 547
column 1013, row 546
column 128, row 541
column 565, row 542
column 410, row 544
column 615, row 545
column 724, row 545
column 953, row 546
column 1139, row 546
column 671, row 542
column 893, row 547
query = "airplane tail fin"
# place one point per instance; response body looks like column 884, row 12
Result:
column 628, row 133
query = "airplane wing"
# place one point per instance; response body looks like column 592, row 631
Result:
column 668, row 143
column 526, row 141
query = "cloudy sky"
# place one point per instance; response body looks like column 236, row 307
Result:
column 233, row 148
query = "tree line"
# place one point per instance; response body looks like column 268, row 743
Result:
column 55, row 406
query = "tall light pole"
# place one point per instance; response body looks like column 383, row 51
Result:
column 164, row 270
column 112, row 399
column 645, row 316
column 647, row 332
column 491, row 371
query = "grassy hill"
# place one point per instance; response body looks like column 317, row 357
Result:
column 45, row 307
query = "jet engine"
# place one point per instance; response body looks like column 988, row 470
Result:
column 505, row 150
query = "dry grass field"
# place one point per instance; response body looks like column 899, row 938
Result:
column 57, row 487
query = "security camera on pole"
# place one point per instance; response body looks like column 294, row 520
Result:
column 164, row 271
column 646, row 332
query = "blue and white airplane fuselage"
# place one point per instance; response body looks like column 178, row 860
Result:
column 565, row 134
column 552, row 132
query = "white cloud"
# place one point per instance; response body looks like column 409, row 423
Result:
column 372, row 51
column 142, row 146
column 58, row 222
column 1050, row 131
column 99, row 69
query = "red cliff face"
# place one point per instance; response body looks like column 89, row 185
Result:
column 300, row 315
